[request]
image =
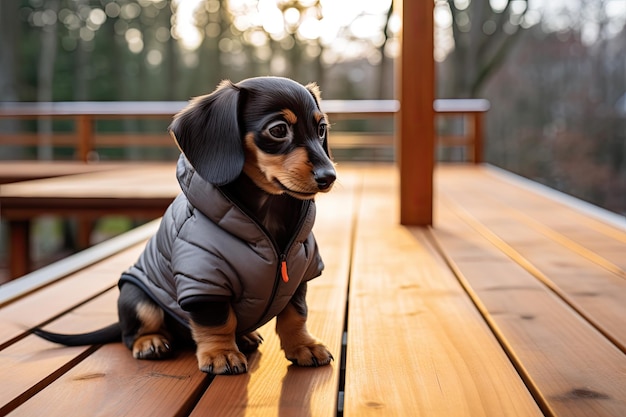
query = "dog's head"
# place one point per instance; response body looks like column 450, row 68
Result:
column 270, row 128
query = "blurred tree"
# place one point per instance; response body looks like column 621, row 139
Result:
column 214, row 20
column 483, row 37
column 9, row 37
column 45, row 74
column 136, row 50
column 555, row 114
column 384, row 67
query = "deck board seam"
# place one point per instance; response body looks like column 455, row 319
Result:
column 48, row 380
column 358, row 194
column 528, row 266
column 598, row 218
column 57, row 316
column 516, row 362
column 563, row 240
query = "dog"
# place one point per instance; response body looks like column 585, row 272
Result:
column 235, row 248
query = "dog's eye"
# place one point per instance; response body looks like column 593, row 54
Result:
column 279, row 130
column 321, row 130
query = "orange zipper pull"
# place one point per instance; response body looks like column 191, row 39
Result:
column 283, row 271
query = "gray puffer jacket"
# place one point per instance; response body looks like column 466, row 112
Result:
column 208, row 246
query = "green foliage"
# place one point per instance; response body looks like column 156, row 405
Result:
column 140, row 50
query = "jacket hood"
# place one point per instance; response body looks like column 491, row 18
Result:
column 213, row 203
column 221, row 210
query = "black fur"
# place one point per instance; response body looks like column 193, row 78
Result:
column 109, row 334
column 207, row 131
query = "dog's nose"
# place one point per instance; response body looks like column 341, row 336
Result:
column 325, row 178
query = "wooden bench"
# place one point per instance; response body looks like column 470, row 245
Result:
column 138, row 190
column 511, row 304
column 14, row 171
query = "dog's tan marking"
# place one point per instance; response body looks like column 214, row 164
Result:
column 290, row 116
column 318, row 117
column 151, row 317
column 300, row 347
column 217, row 350
column 151, row 346
column 315, row 90
column 293, row 170
column 152, row 340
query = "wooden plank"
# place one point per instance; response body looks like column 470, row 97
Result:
column 127, row 139
column 416, row 344
column 44, row 276
column 586, row 280
column 571, row 369
column 34, row 362
column 157, row 387
column 143, row 191
column 590, row 233
column 152, row 180
column 13, row 171
column 166, row 109
column 17, row 317
column 273, row 386
column 342, row 140
column 99, row 140
column 163, row 109
column 32, row 139
column 461, row 106
column 110, row 382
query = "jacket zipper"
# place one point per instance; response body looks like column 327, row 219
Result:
column 281, row 273
column 283, row 268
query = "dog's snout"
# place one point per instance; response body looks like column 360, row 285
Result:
column 325, row 178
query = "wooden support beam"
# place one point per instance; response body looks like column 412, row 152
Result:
column 416, row 153
column 19, row 250
column 84, row 132
column 479, row 144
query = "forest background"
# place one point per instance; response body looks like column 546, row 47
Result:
column 554, row 71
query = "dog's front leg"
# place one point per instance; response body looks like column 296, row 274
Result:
column 299, row 345
column 213, row 328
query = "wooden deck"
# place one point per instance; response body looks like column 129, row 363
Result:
column 512, row 304
column 14, row 171
column 142, row 191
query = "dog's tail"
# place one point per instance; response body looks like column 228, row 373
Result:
column 109, row 334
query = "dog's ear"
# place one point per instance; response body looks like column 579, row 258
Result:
column 315, row 92
column 207, row 132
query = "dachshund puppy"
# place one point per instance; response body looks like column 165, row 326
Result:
column 235, row 248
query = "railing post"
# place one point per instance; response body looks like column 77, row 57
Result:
column 19, row 251
column 478, row 137
column 84, row 133
column 416, row 153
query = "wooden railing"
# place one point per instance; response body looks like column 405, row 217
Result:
column 85, row 138
column 472, row 110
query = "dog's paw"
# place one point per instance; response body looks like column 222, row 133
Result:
column 312, row 354
column 224, row 362
column 249, row 342
column 151, row 346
